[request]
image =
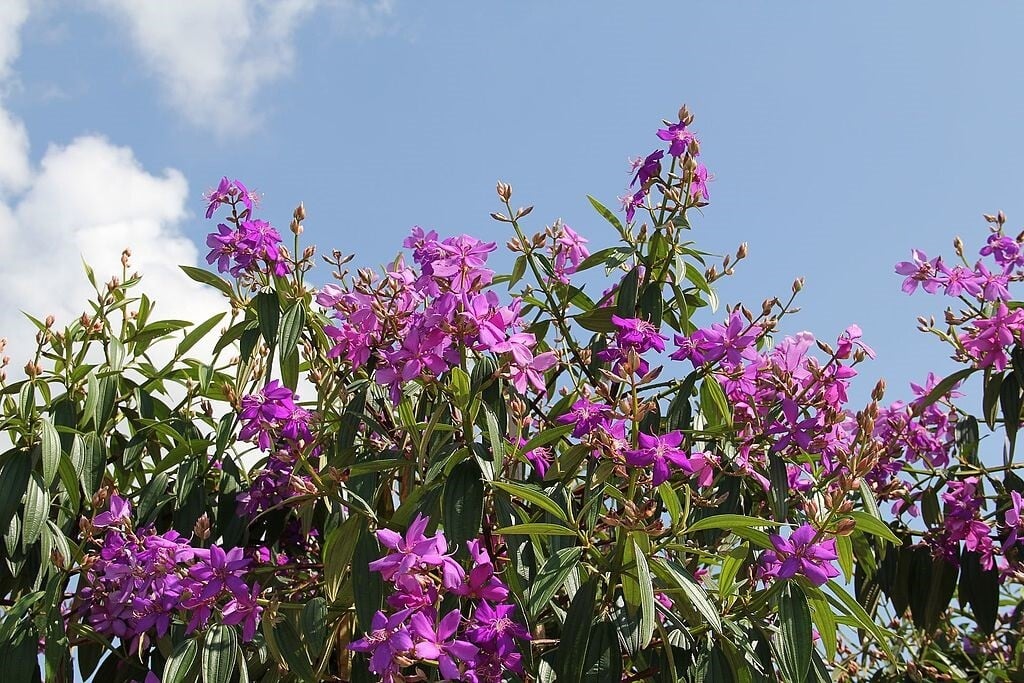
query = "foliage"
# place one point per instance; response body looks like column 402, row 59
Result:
column 437, row 472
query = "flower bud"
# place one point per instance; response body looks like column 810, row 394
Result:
column 879, row 391
column 49, row 323
column 798, row 284
column 32, row 370
column 300, row 213
column 685, row 115
column 845, row 526
column 958, row 246
column 202, row 527
column 741, row 252
column 504, row 191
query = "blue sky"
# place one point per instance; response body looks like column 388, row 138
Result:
column 839, row 136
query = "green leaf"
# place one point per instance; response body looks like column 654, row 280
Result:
column 197, row 333
column 50, row 446
column 979, row 588
column 370, row 595
column 874, row 526
column 576, row 632
column 547, row 436
column 596, row 320
column 13, row 482
column 714, row 406
column 291, row 327
column 625, row 298
column 532, row 494
column 268, row 313
column 607, row 215
column 550, row 578
column 314, row 627
column 537, row 529
column 1009, row 401
column 652, row 304
column 338, row 549
column 220, row 650
column 37, row 509
column 730, row 522
column 207, row 278
column 671, row 572
column 844, row 548
column 181, row 665
column 846, row 602
column 942, row 388
column 824, row 621
column 460, row 384
column 463, row 503
column 603, row 662
column 795, row 643
column 646, row 582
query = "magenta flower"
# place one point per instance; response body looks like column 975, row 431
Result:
column 1004, row 250
column 659, row 451
column 699, row 183
column 649, row 168
column 387, row 640
column 244, row 609
column 800, row 554
column 987, row 340
column 118, row 514
column 584, row 415
column 532, row 373
column 678, row 136
column 412, row 552
column 494, row 630
column 440, row 643
column 919, row 271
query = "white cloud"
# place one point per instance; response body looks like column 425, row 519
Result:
column 89, row 199
column 212, row 57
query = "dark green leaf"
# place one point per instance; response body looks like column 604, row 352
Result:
column 606, row 214
column 337, row 554
column 980, row 589
column 268, row 313
column 603, row 662
column 207, row 278
column 50, row 446
column 220, row 651
column 13, row 482
column 795, row 642
column 463, row 503
column 576, row 633
column 181, row 665
column 625, row 298
column 942, row 388
column 730, row 522
column 532, row 494
column 197, row 333
column 314, row 627
column 550, row 578
column 37, row 509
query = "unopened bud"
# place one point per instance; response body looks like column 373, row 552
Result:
column 685, row 115
column 989, row 218
column 202, row 527
column 308, row 252
column 504, row 191
column 879, row 391
column 798, row 284
column 958, row 246
column 845, row 527
column 125, row 255
column 523, row 211
column 48, row 322
column 1001, row 217
column 300, row 213
column 741, row 252
column 32, row 370
column 296, row 227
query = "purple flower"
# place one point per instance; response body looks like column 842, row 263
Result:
column 699, row 183
column 920, row 271
column 678, row 136
column 494, row 631
column 387, row 640
column 1004, row 250
column 412, row 552
column 119, row 513
column 659, row 451
column 584, row 415
column 439, row 643
column 272, row 415
column 987, row 339
column 800, row 554
column 244, row 609
column 649, row 168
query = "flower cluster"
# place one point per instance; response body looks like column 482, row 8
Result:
column 249, row 245
column 684, row 147
column 478, row 648
column 137, row 582
column 411, row 324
